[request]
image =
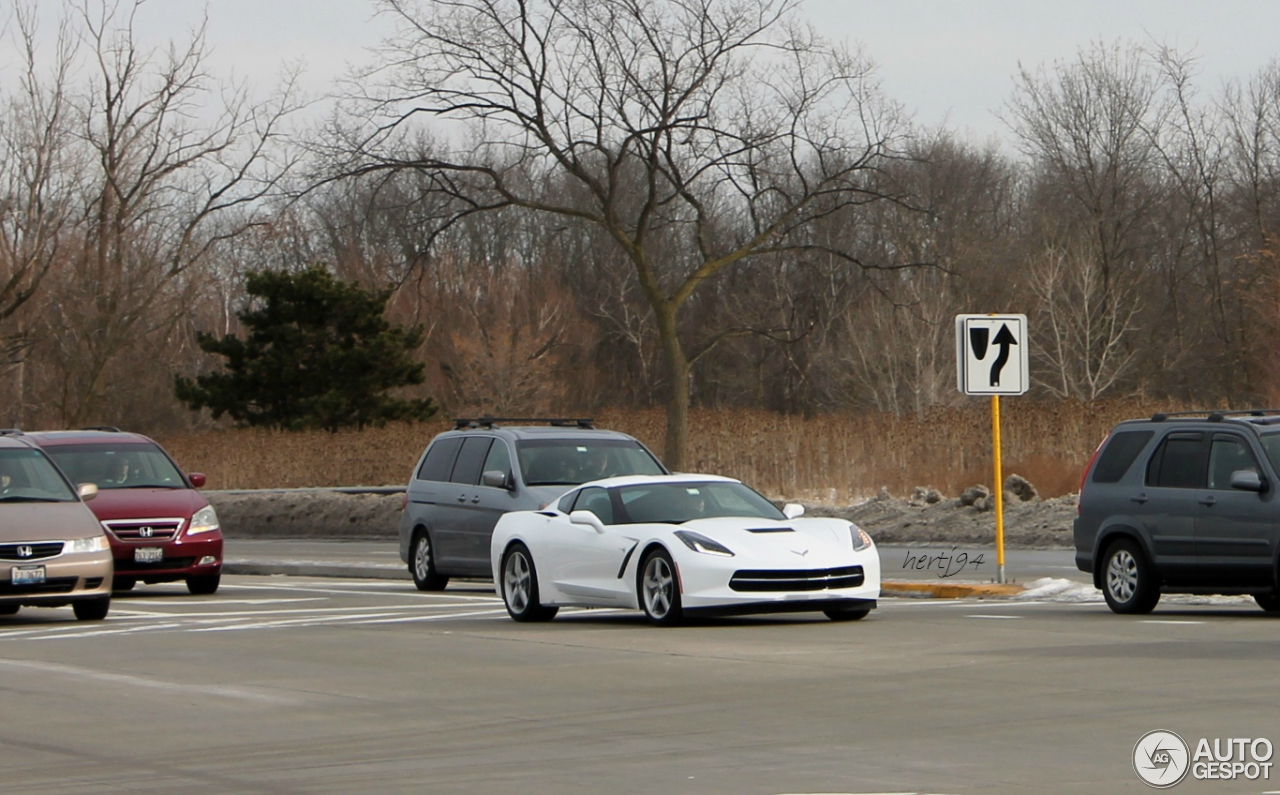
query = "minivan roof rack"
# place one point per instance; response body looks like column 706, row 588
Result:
column 107, row 428
column 555, row 422
column 1214, row 415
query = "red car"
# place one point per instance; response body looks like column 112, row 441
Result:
column 160, row 528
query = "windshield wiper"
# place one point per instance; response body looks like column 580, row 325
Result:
column 23, row 498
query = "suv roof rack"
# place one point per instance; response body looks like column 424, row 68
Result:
column 107, row 428
column 11, row 432
column 1214, row 415
column 555, row 422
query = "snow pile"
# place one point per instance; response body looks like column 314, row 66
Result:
column 1056, row 589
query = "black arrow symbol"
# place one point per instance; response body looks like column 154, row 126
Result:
column 978, row 341
column 1004, row 338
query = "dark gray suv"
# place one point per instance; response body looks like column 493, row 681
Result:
column 1183, row 503
column 468, row 477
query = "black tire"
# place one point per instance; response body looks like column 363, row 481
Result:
column 658, row 589
column 204, row 584
column 92, row 609
column 520, row 586
column 123, row 583
column 422, row 564
column 9, row 610
column 1128, row 581
column 847, row 614
column 1268, row 601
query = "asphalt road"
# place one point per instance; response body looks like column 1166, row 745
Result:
column 288, row 685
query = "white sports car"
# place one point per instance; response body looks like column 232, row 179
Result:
column 672, row 545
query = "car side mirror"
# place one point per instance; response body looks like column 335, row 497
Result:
column 495, row 479
column 793, row 510
column 587, row 519
column 87, row 491
column 1248, row 480
column 197, row 479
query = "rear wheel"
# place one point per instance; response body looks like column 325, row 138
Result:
column 520, row 586
column 1128, row 580
column 422, row 564
column 1268, row 601
column 847, row 614
column 92, row 609
column 659, row 588
column 123, row 583
column 204, row 584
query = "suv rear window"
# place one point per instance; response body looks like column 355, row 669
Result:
column 1119, row 454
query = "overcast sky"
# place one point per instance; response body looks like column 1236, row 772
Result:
column 947, row 62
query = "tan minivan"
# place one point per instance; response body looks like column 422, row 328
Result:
column 53, row 551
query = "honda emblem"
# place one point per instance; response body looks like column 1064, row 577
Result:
column 25, row 551
column 147, row 532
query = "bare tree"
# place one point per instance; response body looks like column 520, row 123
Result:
column 696, row 133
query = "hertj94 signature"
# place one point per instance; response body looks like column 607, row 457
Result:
column 946, row 564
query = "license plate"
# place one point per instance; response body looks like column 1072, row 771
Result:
column 28, row 575
column 148, row 554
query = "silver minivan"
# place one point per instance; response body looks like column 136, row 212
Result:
column 470, row 476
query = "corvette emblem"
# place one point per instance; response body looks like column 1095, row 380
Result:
column 800, row 552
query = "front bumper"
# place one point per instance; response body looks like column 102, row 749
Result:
column 708, row 585
column 68, row 578
column 182, row 557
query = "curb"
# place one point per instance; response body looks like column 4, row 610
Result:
column 951, row 590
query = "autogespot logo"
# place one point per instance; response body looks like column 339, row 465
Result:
column 1160, row 759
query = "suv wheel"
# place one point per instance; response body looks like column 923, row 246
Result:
column 422, row 564
column 1128, row 582
column 1268, row 601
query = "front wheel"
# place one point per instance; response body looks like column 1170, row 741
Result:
column 1268, row 601
column 123, row 583
column 204, row 584
column 660, row 589
column 1128, row 581
column 92, row 609
column 423, row 565
column 520, row 587
column 855, row 614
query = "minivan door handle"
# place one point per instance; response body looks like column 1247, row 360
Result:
column 1139, row 498
column 462, row 498
column 475, row 498
column 1207, row 500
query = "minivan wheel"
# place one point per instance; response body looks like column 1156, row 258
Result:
column 1268, row 601
column 92, row 609
column 422, row 564
column 1128, row 582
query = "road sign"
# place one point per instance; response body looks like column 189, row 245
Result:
column 991, row 354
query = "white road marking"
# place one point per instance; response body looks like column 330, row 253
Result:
column 979, row 615
column 79, row 672
column 1167, row 621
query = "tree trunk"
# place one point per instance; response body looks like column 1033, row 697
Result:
column 677, row 366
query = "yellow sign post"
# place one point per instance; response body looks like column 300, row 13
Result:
column 992, row 359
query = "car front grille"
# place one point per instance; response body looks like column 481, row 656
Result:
column 796, row 579
column 144, row 531
column 51, row 585
column 133, row 567
column 33, row 551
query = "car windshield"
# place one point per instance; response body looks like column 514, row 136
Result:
column 677, row 503
column 26, row 475
column 1271, row 443
column 118, row 466
column 568, row 462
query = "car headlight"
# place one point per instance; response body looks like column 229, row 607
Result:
column 700, row 543
column 94, row 544
column 204, row 521
column 860, row 538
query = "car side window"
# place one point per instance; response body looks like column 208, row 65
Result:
column 1179, row 462
column 499, row 459
column 565, row 505
column 439, row 460
column 1228, row 454
column 1119, row 455
column 471, row 460
column 596, row 501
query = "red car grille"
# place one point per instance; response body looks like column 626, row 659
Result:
column 144, row 530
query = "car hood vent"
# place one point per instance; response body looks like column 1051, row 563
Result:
column 770, row 530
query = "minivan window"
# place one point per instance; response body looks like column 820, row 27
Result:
column 471, row 460
column 1119, row 454
column 1179, row 463
column 439, row 461
column 499, row 459
column 27, row 476
column 118, row 466
column 569, row 462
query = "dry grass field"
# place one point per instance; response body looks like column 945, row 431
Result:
column 832, row 459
